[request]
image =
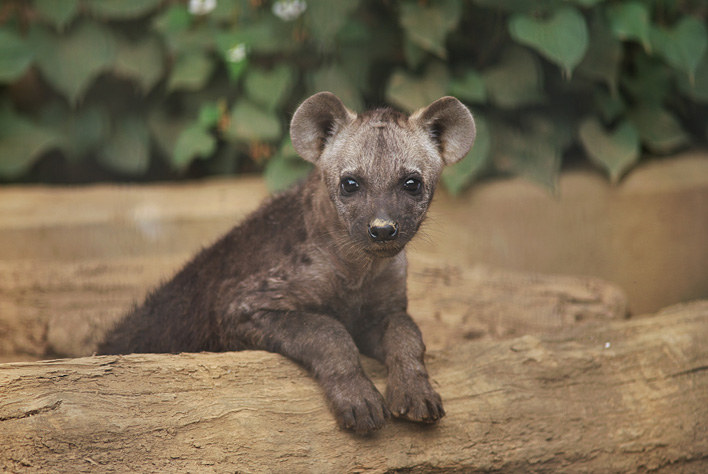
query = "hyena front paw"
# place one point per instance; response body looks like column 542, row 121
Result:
column 358, row 406
column 414, row 399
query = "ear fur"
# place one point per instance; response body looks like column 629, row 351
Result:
column 450, row 125
column 318, row 119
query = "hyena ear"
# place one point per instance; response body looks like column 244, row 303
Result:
column 317, row 120
column 450, row 125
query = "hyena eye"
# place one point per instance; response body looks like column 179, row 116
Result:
column 412, row 185
column 349, row 185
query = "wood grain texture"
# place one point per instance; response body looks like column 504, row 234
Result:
column 624, row 396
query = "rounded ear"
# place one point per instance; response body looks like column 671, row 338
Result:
column 450, row 125
column 317, row 120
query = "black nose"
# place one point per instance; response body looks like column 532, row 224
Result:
column 382, row 230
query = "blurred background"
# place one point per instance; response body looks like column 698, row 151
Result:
column 143, row 90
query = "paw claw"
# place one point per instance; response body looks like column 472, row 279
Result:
column 360, row 408
column 414, row 401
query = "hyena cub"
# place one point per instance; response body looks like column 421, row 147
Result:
column 318, row 273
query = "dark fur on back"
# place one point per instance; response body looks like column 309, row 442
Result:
column 180, row 315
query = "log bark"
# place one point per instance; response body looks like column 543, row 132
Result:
column 622, row 396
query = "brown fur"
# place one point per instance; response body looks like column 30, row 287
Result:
column 318, row 273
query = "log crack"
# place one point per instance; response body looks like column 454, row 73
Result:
column 29, row 413
column 691, row 371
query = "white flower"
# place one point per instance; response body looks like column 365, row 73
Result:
column 288, row 10
column 201, row 7
column 237, row 53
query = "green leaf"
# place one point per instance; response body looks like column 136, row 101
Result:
column 355, row 31
column 127, row 149
column 234, row 49
column 587, row 3
column 174, row 20
column 325, row 18
column 141, row 61
column 427, row 24
column 358, row 52
column 516, row 81
column 250, row 123
column 236, row 69
column 356, row 66
column 209, row 115
column 266, row 36
column 72, row 61
column 15, row 55
column 193, row 142
column 630, row 20
column 57, row 12
column 261, row 37
column 22, row 142
column 192, row 40
column 122, row 9
column 683, row 46
column 659, row 130
column 334, row 79
column 610, row 106
column 87, row 130
column 269, row 88
column 191, row 71
column 698, row 88
column 165, row 127
column 461, row 174
column 177, row 28
column 470, row 87
column 530, row 151
column 285, row 168
column 225, row 160
column 649, row 81
column 604, row 54
column 562, row 38
column 520, row 6
column 415, row 55
column 236, row 60
column 226, row 10
column 615, row 151
column 412, row 92
column 81, row 130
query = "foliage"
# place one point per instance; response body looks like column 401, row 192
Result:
column 146, row 88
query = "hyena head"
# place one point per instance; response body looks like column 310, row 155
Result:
column 381, row 167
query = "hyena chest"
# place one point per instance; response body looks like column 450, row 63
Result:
column 358, row 308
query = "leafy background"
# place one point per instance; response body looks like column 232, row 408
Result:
column 158, row 89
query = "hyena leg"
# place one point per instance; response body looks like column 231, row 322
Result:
column 324, row 347
column 396, row 342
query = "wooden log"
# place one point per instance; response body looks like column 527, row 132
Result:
column 63, row 308
column 453, row 303
column 622, row 396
